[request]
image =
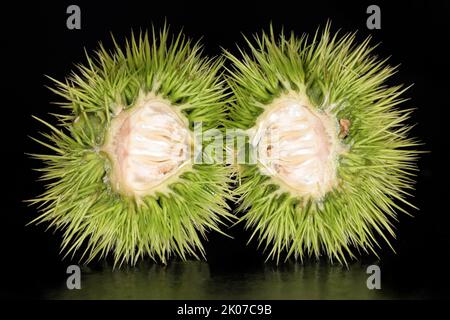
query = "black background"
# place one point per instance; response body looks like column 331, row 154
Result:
column 37, row 43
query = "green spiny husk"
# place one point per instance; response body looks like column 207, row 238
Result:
column 375, row 175
column 79, row 200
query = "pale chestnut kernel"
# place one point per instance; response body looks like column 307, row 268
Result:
column 147, row 144
column 298, row 145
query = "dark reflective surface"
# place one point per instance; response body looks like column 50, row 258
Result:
column 196, row 280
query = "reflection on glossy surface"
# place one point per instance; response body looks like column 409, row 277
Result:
column 197, row 280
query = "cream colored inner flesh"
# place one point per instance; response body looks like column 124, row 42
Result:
column 297, row 145
column 147, row 144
